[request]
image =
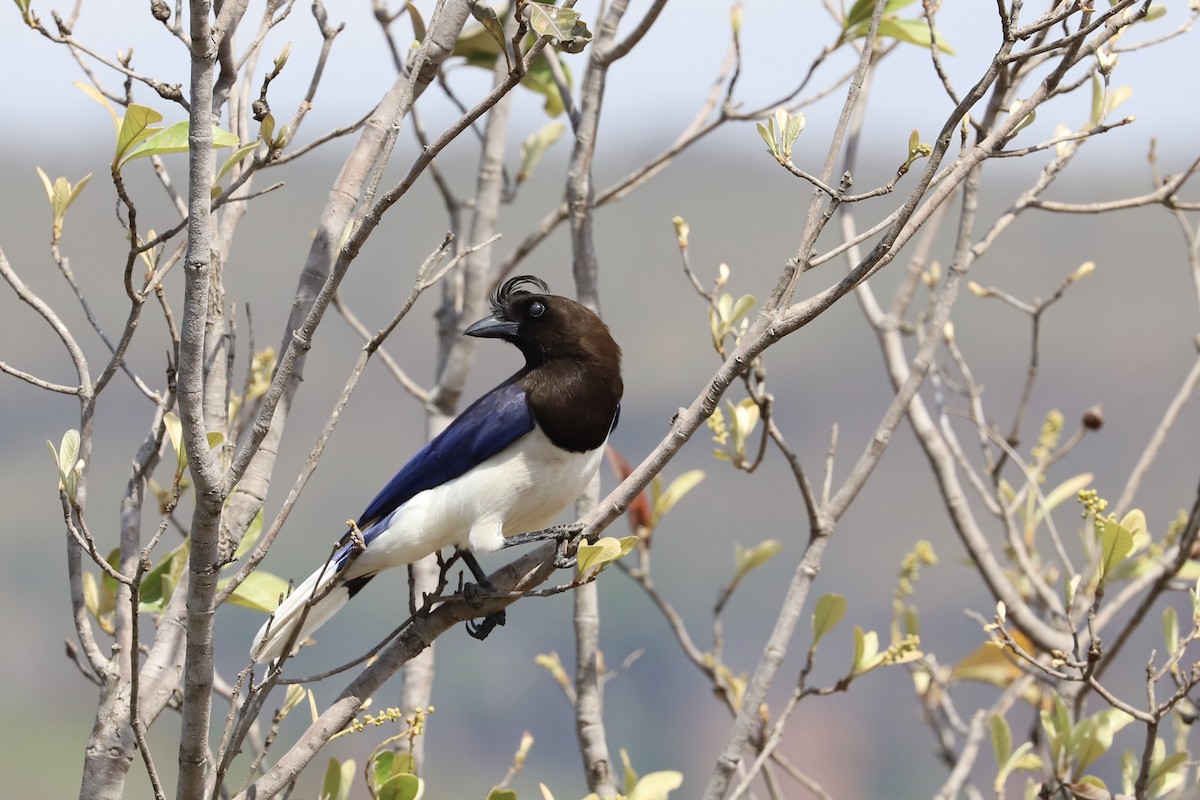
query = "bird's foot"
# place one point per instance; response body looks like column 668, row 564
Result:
column 560, row 534
column 475, row 593
column 480, row 630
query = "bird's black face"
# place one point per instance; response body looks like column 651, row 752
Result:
column 530, row 320
column 544, row 326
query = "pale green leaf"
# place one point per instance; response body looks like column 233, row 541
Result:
column 260, row 591
column 1067, row 490
column 746, row 560
column 1170, row 629
column 1021, row 758
column 1156, row 11
column 487, row 17
column 792, row 131
column 102, row 100
column 535, row 146
column 1097, row 101
column 293, row 697
column 768, row 135
column 68, row 451
column 403, row 786
column 235, row 158
column 174, row 428
column 1166, row 775
column 561, row 27
column 339, row 778
column 1095, row 735
column 381, row 768
column 418, row 23
column 1115, row 545
column 157, row 584
column 253, row 531
column 136, row 125
column 827, row 613
column 501, row 794
column 175, row 140
column 656, row 785
column 1001, row 738
column 674, row 492
column 592, row 558
column 631, row 776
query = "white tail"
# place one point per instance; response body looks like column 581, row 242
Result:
column 277, row 631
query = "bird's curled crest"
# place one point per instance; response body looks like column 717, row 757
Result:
column 504, row 292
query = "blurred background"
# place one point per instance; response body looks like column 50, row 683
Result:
column 1124, row 337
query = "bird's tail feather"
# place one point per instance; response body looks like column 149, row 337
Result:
column 275, row 634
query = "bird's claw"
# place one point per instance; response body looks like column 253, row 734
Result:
column 562, row 559
column 480, row 630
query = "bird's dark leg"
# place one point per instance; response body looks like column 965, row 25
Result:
column 472, row 592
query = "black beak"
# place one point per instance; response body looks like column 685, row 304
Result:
column 492, row 328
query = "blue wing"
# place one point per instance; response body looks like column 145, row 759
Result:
column 489, row 425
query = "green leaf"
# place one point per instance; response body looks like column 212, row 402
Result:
column 746, row 560
column 656, row 785
column 260, row 591
column 102, row 100
column 1022, row 758
column 679, row 487
column 418, row 23
column 1170, row 629
column 1115, row 545
column 860, row 13
column 253, row 531
column 404, row 786
column 913, row 31
column 1097, row 101
column 235, row 158
column 136, row 125
column 339, row 777
column 767, row 132
column 501, row 794
column 175, row 140
column 486, row 16
column 536, row 144
column 561, row 27
column 1001, row 738
column 156, row 591
column 175, row 434
column 1093, row 736
column 791, row 132
column 294, row 696
column 826, row 615
column 1165, row 775
column 66, row 458
column 1067, row 490
column 631, row 776
column 592, row 558
column 866, row 651
column 381, row 769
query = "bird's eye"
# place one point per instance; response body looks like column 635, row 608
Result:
column 536, row 309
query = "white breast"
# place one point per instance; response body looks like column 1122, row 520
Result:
column 522, row 488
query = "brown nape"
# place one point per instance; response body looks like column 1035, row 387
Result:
column 572, row 380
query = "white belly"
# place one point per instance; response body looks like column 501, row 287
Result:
column 522, row 488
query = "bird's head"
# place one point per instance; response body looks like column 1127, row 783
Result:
column 544, row 326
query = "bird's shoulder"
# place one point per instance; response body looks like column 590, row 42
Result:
column 486, row 427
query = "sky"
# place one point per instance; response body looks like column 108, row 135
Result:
column 743, row 210
column 780, row 37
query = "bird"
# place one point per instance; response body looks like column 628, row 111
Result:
column 513, row 461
